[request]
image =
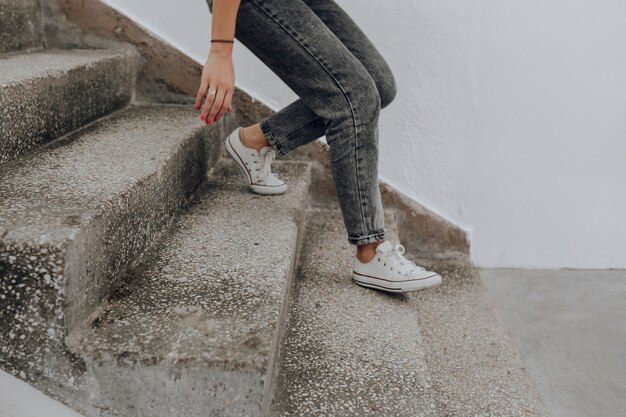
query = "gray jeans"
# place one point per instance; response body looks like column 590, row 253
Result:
column 342, row 82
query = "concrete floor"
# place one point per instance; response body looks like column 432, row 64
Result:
column 570, row 326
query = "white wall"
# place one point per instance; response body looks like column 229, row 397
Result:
column 18, row 399
column 510, row 118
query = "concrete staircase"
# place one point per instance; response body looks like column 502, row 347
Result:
column 140, row 277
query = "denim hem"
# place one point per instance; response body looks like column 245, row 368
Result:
column 271, row 139
column 366, row 239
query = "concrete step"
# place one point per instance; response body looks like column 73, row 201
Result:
column 75, row 213
column 194, row 331
column 348, row 350
column 476, row 367
column 47, row 93
column 20, row 25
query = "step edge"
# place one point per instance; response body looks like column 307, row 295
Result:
column 274, row 363
column 121, row 52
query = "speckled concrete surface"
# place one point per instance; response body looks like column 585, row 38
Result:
column 193, row 331
column 74, row 214
column 348, row 350
column 476, row 368
column 48, row 93
column 20, row 24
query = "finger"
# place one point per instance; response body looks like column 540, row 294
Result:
column 208, row 103
column 217, row 104
column 226, row 106
column 200, row 95
column 220, row 113
column 229, row 98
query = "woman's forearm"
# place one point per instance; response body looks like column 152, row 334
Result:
column 223, row 24
column 218, row 75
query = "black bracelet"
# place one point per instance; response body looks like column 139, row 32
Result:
column 222, row 40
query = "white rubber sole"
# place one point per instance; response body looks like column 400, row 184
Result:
column 256, row 188
column 394, row 286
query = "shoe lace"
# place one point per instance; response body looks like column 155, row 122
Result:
column 396, row 260
column 267, row 163
column 266, row 170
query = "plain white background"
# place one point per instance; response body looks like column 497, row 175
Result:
column 510, row 119
column 18, row 399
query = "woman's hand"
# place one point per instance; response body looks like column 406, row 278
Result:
column 218, row 76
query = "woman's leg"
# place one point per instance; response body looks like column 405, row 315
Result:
column 296, row 124
column 298, row 46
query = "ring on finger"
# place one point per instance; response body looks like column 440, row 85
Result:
column 211, row 92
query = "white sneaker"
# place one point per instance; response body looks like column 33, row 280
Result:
column 390, row 271
column 255, row 165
